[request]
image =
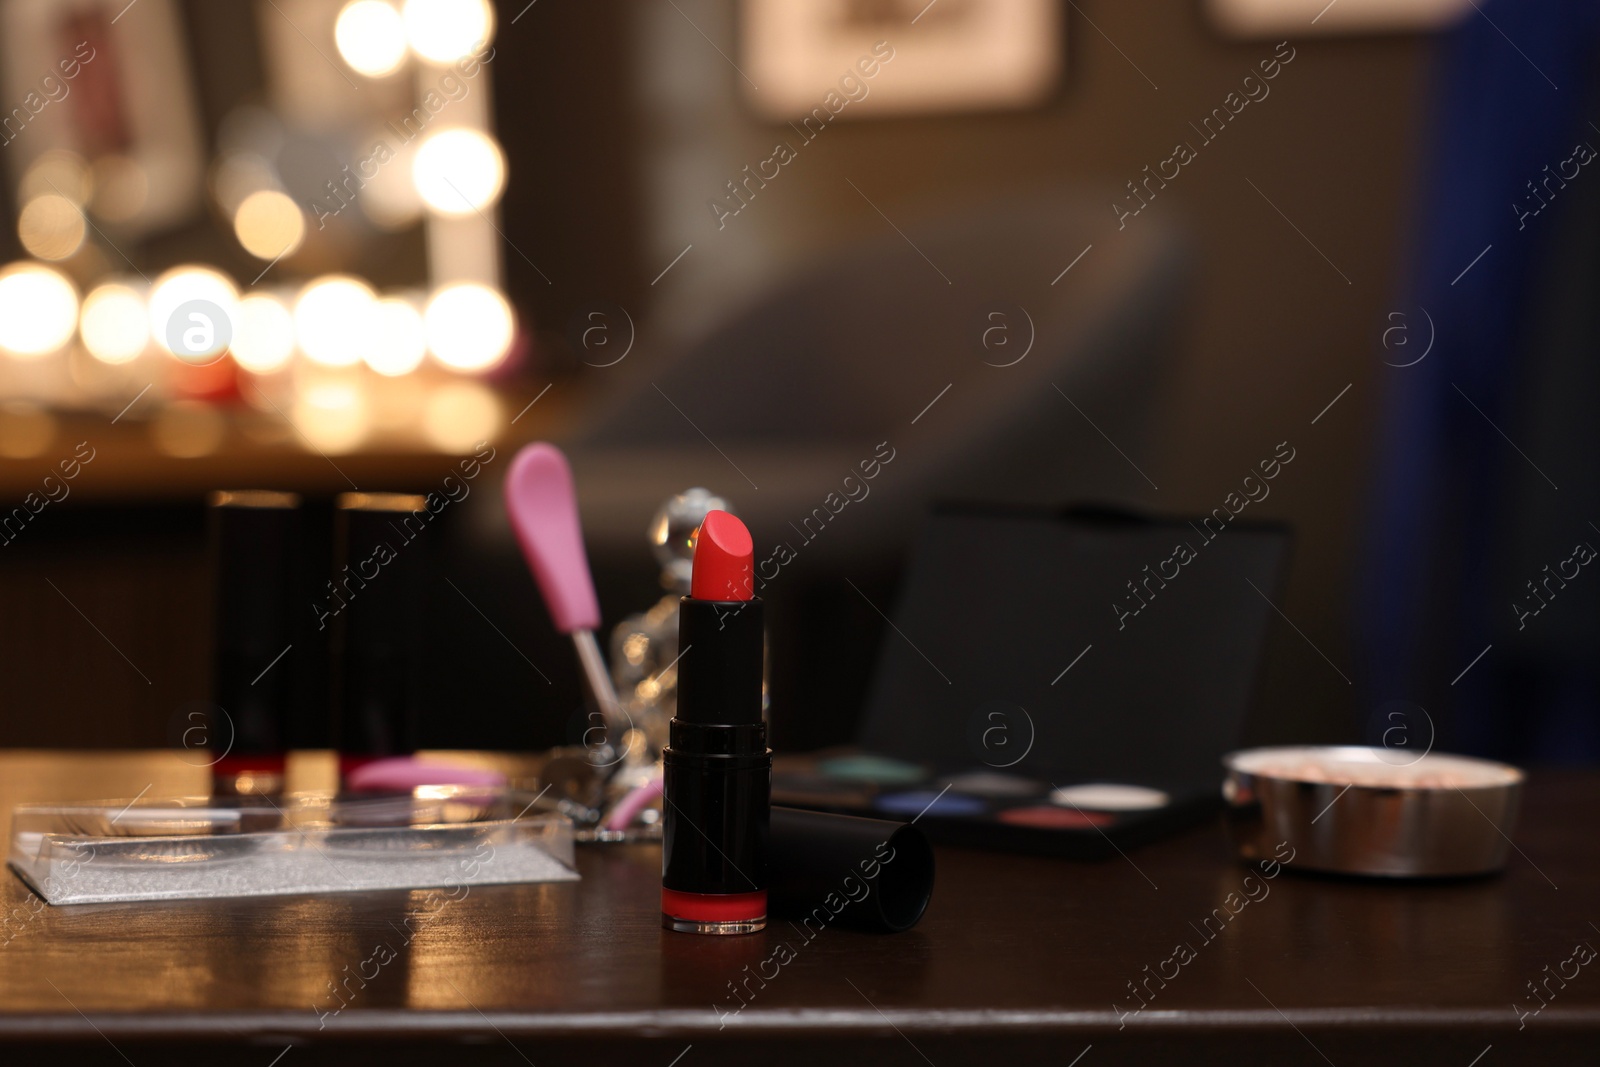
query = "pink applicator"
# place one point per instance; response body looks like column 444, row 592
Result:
column 403, row 774
column 544, row 512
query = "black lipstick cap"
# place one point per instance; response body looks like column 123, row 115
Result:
column 375, row 600
column 254, row 540
column 867, row 874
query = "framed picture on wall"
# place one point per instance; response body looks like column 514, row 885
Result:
column 859, row 58
column 1274, row 18
column 103, row 87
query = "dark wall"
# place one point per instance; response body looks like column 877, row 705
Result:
column 1273, row 333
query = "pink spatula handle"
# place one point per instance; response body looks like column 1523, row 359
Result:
column 544, row 512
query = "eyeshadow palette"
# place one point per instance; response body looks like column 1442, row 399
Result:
column 982, row 809
column 1060, row 683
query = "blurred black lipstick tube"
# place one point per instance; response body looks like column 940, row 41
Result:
column 373, row 603
column 254, row 537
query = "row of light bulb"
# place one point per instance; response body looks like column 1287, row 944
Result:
column 335, row 321
column 373, row 35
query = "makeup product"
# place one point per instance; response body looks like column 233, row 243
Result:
column 796, row 783
column 984, row 809
column 543, row 507
column 1045, row 817
column 1068, row 680
column 630, row 807
column 717, row 768
column 1380, row 812
column 918, row 802
column 255, row 563
column 376, row 600
column 299, row 843
column 869, row 874
column 405, row 774
column 875, row 770
column 995, row 784
column 1110, row 796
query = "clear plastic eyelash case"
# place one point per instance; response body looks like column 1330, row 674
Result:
column 193, row 847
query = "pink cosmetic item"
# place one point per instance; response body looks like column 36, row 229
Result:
column 404, row 774
column 630, row 806
column 544, row 512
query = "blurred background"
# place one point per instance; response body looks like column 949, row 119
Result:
column 1033, row 251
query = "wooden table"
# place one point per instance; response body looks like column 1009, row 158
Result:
column 1019, row 960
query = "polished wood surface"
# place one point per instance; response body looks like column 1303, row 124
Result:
column 1019, row 959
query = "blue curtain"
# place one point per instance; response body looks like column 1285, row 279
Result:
column 1486, row 453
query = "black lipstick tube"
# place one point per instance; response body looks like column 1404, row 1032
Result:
column 375, row 600
column 717, row 775
column 254, row 536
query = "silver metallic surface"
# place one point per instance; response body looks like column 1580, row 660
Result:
column 1402, row 831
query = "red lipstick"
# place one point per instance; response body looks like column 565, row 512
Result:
column 723, row 560
column 717, row 769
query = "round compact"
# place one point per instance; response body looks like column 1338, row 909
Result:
column 1371, row 811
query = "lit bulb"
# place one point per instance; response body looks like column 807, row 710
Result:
column 192, row 311
column 333, row 321
column 269, row 224
column 266, row 334
column 459, row 171
column 443, row 31
column 38, row 310
column 114, row 324
column 371, row 37
column 50, row 226
column 469, row 326
column 399, row 342
column 459, row 415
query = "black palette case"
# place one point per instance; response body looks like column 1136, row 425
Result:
column 1062, row 649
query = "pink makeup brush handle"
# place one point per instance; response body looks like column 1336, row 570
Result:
column 544, row 512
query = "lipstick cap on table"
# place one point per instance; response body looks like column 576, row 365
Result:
column 877, row 874
column 256, row 565
column 377, row 633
